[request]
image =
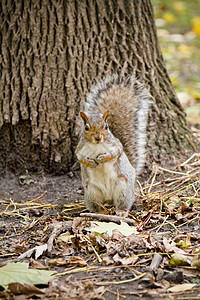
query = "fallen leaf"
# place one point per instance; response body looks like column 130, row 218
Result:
column 171, row 203
column 35, row 264
column 25, row 288
column 72, row 260
column 104, row 227
column 65, row 237
column 106, row 260
column 38, row 252
column 178, row 259
column 72, row 288
column 19, row 272
column 181, row 287
column 196, row 262
column 125, row 260
column 169, row 247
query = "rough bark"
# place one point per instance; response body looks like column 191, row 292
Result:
column 52, row 51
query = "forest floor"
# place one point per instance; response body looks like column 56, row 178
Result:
column 152, row 253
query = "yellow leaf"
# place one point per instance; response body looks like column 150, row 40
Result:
column 196, row 25
column 168, row 17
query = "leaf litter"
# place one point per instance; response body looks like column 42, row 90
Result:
column 156, row 253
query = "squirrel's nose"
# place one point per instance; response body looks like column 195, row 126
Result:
column 98, row 138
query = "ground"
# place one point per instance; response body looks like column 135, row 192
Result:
column 162, row 253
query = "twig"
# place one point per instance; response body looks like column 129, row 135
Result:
column 173, row 226
column 107, row 218
column 191, row 143
column 97, row 255
column 197, row 217
column 141, row 189
column 171, row 171
column 147, row 218
column 70, row 271
column 153, row 179
column 39, row 197
column 120, row 282
column 162, row 223
column 7, row 207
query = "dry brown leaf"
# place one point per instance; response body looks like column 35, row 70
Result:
column 35, row 264
column 125, row 260
column 196, row 262
column 77, row 289
column 171, row 203
column 25, row 288
column 106, row 260
column 71, row 260
column 171, row 248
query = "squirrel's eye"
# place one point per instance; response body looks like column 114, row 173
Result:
column 86, row 127
column 106, row 127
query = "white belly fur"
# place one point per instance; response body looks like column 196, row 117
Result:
column 104, row 176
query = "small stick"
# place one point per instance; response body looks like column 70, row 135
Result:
column 153, row 179
column 191, row 143
column 162, row 224
column 173, row 172
column 38, row 197
column 97, row 255
column 147, row 218
column 189, row 159
column 141, row 189
column 107, row 218
column 7, row 207
column 120, row 282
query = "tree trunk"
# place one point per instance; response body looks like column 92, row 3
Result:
column 52, row 51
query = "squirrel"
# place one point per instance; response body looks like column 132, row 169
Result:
column 111, row 149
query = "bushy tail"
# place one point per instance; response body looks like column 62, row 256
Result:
column 128, row 102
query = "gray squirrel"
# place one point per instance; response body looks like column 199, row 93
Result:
column 111, row 149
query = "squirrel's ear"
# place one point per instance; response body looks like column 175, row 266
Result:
column 84, row 117
column 105, row 115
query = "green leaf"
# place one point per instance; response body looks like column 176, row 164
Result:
column 19, row 272
column 104, row 227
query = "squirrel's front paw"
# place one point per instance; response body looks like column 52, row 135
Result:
column 101, row 158
column 92, row 163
